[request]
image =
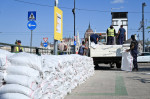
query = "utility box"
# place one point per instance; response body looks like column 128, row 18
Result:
column 120, row 18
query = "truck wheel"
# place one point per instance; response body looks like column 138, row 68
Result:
column 111, row 65
column 118, row 65
column 96, row 66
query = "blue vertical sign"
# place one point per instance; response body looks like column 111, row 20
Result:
column 31, row 15
column 45, row 44
column 31, row 25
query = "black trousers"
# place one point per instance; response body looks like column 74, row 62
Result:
column 135, row 60
column 110, row 40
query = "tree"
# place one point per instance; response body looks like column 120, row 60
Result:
column 148, row 28
column 147, row 42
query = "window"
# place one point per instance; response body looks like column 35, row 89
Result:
column 114, row 22
column 119, row 15
column 124, row 22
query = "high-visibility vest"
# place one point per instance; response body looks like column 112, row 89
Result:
column 111, row 32
column 19, row 49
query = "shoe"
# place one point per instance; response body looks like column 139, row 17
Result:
column 135, row 69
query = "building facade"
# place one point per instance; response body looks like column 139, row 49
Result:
column 118, row 19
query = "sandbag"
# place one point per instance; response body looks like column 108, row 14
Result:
column 13, row 96
column 127, row 61
column 93, row 45
column 22, row 70
column 21, row 80
column 3, row 60
column 26, row 59
column 15, row 88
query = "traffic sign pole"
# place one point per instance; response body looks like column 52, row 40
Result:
column 31, row 42
column 31, row 25
column 56, row 41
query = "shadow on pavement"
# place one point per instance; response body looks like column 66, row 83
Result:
column 107, row 68
column 144, row 69
column 142, row 80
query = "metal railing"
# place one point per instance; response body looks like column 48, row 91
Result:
column 35, row 50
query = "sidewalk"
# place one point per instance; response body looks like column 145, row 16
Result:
column 114, row 84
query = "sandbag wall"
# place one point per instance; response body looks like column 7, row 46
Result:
column 42, row 77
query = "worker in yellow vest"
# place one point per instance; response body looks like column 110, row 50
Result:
column 18, row 48
column 110, row 35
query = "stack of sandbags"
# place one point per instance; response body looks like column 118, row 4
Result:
column 43, row 77
column 3, row 64
column 63, row 73
column 22, row 77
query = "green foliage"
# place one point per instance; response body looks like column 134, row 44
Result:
column 147, row 42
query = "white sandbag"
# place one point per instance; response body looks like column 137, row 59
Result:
column 127, row 61
column 15, row 88
column 21, row 80
column 3, row 60
column 13, row 96
column 7, row 53
column 93, row 45
column 26, row 59
column 22, row 70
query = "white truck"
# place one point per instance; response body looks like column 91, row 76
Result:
column 108, row 54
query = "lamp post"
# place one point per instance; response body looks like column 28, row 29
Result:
column 143, row 5
column 73, row 10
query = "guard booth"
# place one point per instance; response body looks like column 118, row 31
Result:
column 120, row 18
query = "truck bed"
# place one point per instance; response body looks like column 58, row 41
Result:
column 106, row 51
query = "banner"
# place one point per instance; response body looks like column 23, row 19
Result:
column 58, row 24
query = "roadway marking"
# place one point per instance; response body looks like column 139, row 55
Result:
column 120, row 89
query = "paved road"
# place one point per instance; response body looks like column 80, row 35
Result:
column 115, row 84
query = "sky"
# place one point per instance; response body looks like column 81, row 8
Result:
column 14, row 18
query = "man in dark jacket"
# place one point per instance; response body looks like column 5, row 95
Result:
column 94, row 38
column 121, row 35
column 134, row 52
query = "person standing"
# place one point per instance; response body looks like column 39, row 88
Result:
column 94, row 38
column 62, row 47
column 18, row 47
column 110, row 35
column 82, row 48
column 134, row 52
column 121, row 35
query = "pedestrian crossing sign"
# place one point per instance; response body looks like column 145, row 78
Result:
column 31, row 15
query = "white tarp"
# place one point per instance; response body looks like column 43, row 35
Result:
column 127, row 61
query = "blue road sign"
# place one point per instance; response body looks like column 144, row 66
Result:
column 45, row 44
column 31, row 25
column 75, row 43
column 31, row 15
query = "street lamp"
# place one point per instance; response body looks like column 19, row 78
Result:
column 73, row 10
column 143, row 5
